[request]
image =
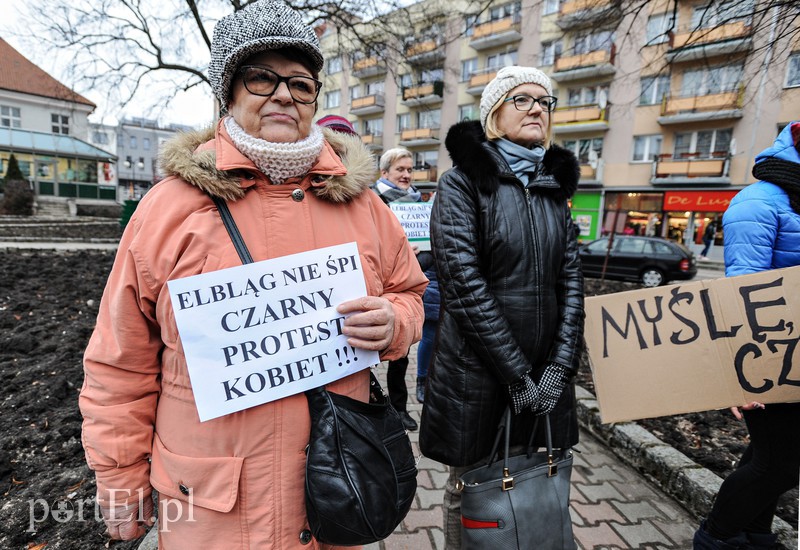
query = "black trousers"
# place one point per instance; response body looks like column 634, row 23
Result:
column 769, row 467
column 396, row 383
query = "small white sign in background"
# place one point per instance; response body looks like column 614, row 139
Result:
column 415, row 217
column 263, row 331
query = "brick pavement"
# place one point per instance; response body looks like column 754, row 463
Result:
column 612, row 505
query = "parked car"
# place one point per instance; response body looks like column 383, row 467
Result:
column 650, row 260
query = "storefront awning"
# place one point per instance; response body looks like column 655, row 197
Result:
column 40, row 143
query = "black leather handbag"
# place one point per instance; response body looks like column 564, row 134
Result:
column 521, row 503
column 361, row 474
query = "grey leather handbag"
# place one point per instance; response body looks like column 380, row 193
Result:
column 521, row 502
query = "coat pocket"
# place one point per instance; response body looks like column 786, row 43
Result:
column 209, row 482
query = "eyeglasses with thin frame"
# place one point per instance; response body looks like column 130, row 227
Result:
column 264, row 82
column 525, row 102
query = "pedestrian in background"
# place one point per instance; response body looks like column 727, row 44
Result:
column 506, row 255
column 430, row 302
column 291, row 188
column 709, row 235
column 394, row 185
column 761, row 232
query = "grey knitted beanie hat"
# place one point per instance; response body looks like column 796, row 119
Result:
column 260, row 26
column 507, row 79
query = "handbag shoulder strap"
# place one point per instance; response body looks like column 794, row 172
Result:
column 233, row 230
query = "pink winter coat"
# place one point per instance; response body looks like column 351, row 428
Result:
column 244, row 471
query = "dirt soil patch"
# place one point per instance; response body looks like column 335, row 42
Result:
column 48, row 306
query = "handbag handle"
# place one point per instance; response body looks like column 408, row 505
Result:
column 505, row 429
column 233, row 230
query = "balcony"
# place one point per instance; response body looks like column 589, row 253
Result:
column 423, row 175
column 369, row 66
column 419, row 136
column 367, row 105
column 426, row 50
column 423, row 94
column 721, row 106
column 591, row 174
column 496, row 33
column 691, row 168
column 594, row 64
column 693, row 44
column 585, row 13
column 373, row 141
column 479, row 80
column 579, row 119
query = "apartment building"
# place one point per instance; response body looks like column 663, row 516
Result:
column 665, row 108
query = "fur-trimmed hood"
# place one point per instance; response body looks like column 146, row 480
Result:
column 192, row 156
column 482, row 163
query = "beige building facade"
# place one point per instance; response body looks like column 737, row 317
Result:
column 665, row 108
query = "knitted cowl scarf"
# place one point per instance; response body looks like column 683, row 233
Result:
column 389, row 192
column 279, row 161
column 783, row 173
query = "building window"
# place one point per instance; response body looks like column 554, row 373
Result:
column 550, row 6
column 146, row 144
column 332, row 99
column 59, row 124
column 703, row 144
column 646, row 148
column 429, row 119
column 588, row 95
column 469, row 24
column 712, row 80
column 593, row 42
column 355, row 92
column 101, row 138
column 133, row 142
column 335, row 64
column 721, row 13
column 506, row 10
column 657, row 28
column 550, row 52
column 501, row 60
column 586, row 150
column 375, row 87
column 373, row 127
column 468, row 112
column 654, row 88
column 425, row 159
column 427, row 76
column 406, row 80
column 793, row 72
column 403, row 122
column 468, row 66
column 10, row 117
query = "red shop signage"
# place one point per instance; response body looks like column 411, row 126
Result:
column 698, row 201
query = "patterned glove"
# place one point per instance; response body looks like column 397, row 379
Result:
column 552, row 383
column 524, row 394
column 128, row 522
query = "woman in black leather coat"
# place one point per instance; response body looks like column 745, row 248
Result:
column 506, row 255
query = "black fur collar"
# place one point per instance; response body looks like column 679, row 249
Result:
column 480, row 162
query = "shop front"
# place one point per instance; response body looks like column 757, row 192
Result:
column 681, row 216
column 586, row 208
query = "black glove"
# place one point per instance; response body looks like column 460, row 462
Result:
column 552, row 383
column 524, row 394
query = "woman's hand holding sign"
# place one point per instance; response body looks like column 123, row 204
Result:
column 371, row 326
column 749, row 407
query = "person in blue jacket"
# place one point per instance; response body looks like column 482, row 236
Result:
column 430, row 301
column 761, row 232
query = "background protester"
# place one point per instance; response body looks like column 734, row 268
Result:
column 291, row 188
column 394, row 185
column 761, row 232
column 507, row 262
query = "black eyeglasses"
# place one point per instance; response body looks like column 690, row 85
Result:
column 260, row 81
column 525, row 102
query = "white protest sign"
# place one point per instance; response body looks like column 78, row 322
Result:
column 415, row 217
column 263, row 331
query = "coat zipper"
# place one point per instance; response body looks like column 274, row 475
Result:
column 538, row 257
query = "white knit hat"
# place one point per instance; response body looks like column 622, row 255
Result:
column 507, row 79
column 260, row 26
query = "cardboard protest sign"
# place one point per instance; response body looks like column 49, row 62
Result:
column 415, row 217
column 697, row 346
column 262, row 331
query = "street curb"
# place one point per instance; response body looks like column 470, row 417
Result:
column 677, row 475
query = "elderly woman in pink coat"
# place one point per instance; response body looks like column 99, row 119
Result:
column 235, row 481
